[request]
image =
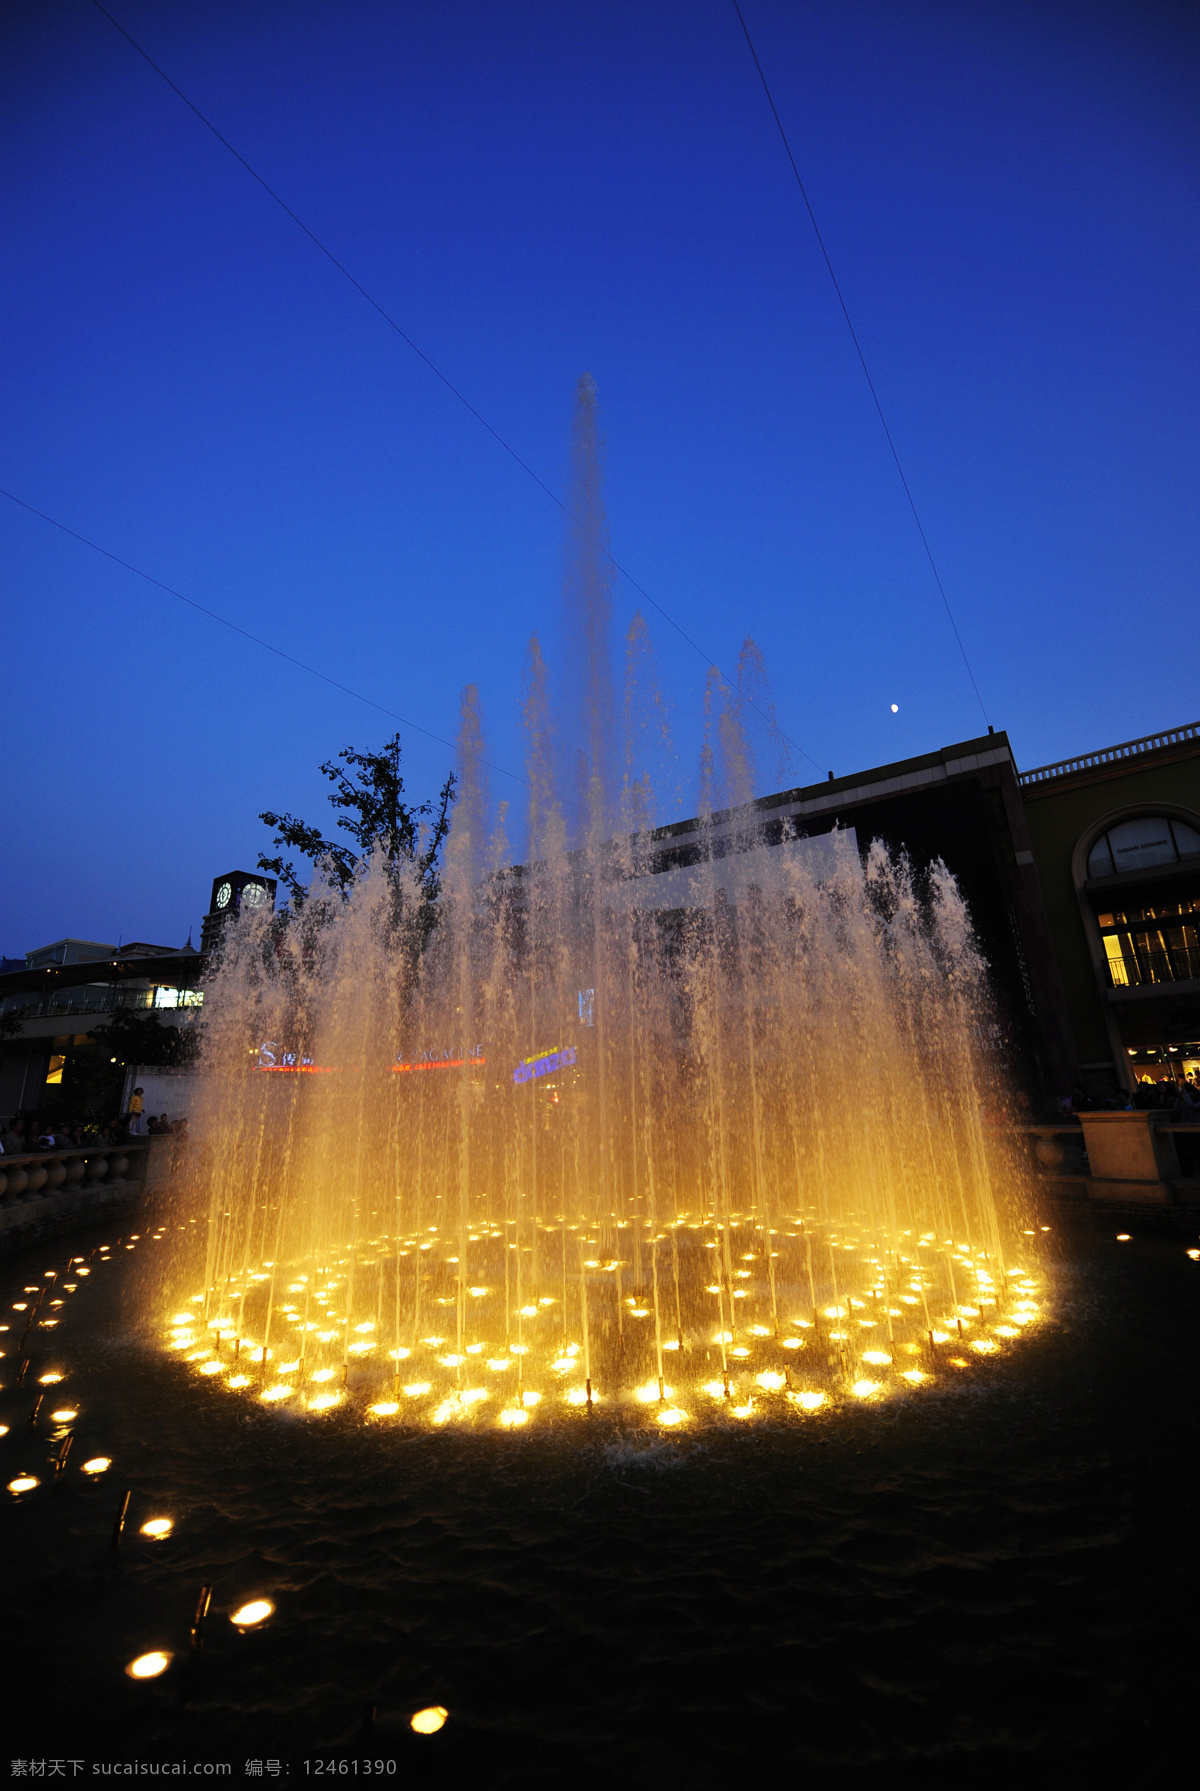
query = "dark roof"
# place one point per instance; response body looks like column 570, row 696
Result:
column 177, row 968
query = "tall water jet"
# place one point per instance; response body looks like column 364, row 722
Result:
column 587, row 593
column 688, row 1118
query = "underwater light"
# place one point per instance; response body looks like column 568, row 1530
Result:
column 430, row 1720
column 149, row 1666
column 64, row 1415
column 387, row 1408
column 99, row 1464
column 864, row 1389
column 672, row 1416
column 23, row 1483
column 257, row 1611
column 158, row 1527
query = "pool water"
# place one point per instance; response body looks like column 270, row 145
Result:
column 991, row 1583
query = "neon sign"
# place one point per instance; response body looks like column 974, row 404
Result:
column 544, row 1064
column 455, row 1059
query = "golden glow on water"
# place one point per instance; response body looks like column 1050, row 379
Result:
column 64, row 1414
column 23, row 1483
column 257, row 1611
column 430, row 1720
column 149, row 1666
column 157, row 1527
column 99, row 1464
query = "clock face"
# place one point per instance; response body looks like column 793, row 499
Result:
column 223, row 895
column 253, row 894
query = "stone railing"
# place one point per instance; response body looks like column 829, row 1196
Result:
column 47, row 1193
column 1127, row 749
column 85, row 1167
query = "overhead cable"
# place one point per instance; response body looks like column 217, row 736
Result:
column 268, row 646
column 436, row 370
column 861, row 357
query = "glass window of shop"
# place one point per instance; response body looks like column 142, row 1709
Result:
column 1148, row 935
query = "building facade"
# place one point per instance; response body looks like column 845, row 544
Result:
column 1116, row 838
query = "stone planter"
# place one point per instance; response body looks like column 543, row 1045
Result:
column 1129, row 1158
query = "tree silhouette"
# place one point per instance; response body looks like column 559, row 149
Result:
column 369, row 792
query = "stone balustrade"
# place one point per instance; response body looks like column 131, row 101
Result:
column 45, row 1193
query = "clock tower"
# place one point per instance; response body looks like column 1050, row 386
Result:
column 235, row 891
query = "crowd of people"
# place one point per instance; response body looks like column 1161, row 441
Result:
column 1178, row 1095
column 25, row 1134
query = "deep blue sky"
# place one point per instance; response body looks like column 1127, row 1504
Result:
column 1009, row 196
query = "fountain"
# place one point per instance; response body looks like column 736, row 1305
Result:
column 683, row 1121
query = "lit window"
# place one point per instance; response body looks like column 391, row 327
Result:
column 1116, row 961
column 55, row 1073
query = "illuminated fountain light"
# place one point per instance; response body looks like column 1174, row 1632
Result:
column 386, row 1408
column 99, row 1464
column 248, row 1616
column 671, row 1416
column 23, row 1483
column 429, row 1720
column 651, row 1392
column 64, row 1414
column 158, row 1527
column 865, row 1389
column 149, row 1666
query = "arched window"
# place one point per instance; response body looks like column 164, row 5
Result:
column 1142, row 843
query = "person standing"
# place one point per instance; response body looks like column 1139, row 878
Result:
column 137, row 1115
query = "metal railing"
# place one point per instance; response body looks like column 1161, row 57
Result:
column 1128, row 749
column 86, row 998
column 1175, row 966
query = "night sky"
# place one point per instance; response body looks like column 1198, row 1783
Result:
column 1009, row 198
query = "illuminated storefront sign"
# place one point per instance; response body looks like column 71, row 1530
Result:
column 272, row 1057
column 544, row 1064
column 455, row 1059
